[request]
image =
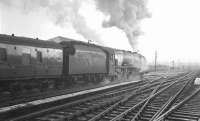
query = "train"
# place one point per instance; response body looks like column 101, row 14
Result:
column 28, row 64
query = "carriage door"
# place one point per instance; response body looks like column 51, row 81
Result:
column 111, row 64
column 65, row 61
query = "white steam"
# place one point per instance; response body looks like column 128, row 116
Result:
column 123, row 14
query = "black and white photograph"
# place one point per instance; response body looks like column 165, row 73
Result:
column 99, row 60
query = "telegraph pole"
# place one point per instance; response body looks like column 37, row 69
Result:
column 173, row 65
column 155, row 60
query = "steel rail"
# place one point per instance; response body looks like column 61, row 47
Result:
column 118, row 103
column 148, row 100
column 48, row 110
column 170, row 101
column 173, row 108
column 106, row 104
column 121, row 102
column 79, row 113
column 143, row 102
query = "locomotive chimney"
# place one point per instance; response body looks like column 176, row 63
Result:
column 13, row 35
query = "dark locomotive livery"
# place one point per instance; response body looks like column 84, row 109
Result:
column 83, row 61
column 31, row 64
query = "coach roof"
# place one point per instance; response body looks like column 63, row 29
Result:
column 7, row 39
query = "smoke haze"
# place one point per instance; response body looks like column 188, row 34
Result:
column 122, row 14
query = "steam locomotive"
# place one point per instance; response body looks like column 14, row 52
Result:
column 28, row 64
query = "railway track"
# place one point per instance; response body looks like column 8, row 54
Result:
column 186, row 110
column 23, row 98
column 103, row 95
column 94, row 108
column 142, row 109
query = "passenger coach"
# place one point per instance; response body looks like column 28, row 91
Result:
column 27, row 63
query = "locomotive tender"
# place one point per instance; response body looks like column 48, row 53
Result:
column 28, row 64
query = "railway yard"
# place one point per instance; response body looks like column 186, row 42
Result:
column 78, row 81
column 95, row 60
column 166, row 96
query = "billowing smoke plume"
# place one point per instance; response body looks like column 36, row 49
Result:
column 123, row 14
column 60, row 11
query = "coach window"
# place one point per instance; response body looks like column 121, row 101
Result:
column 39, row 56
column 3, row 55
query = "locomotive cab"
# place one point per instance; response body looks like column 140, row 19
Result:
column 110, row 60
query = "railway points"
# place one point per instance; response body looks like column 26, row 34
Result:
column 186, row 110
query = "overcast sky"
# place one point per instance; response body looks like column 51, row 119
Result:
column 173, row 30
